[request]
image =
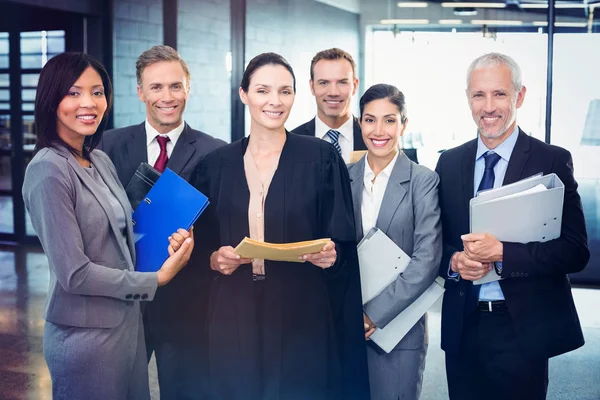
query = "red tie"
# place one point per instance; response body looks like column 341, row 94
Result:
column 161, row 161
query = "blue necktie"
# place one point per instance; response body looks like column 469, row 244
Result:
column 487, row 182
column 335, row 140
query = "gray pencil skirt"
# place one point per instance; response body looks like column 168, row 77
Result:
column 103, row 364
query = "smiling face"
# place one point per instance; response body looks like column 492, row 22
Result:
column 333, row 86
column 165, row 89
column 270, row 97
column 381, row 126
column 494, row 101
column 82, row 109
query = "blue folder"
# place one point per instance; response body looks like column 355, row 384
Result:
column 172, row 203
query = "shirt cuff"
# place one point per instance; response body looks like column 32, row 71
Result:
column 451, row 274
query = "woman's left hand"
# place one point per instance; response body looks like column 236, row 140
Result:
column 324, row 258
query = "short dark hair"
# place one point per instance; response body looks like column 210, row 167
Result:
column 157, row 54
column 262, row 60
column 332, row 55
column 57, row 77
column 384, row 91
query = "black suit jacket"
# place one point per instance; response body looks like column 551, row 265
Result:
column 535, row 285
column 309, row 130
column 127, row 148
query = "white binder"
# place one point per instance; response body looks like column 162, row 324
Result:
column 381, row 261
column 519, row 212
column 389, row 337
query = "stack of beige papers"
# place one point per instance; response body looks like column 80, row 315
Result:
column 291, row 252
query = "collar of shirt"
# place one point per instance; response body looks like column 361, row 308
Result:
column 385, row 173
column 346, row 130
column 173, row 135
column 504, row 150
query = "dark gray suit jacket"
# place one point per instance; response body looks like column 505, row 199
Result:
column 410, row 216
column 92, row 277
column 127, row 148
column 177, row 310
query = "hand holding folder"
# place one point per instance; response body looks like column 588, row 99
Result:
column 526, row 211
column 172, row 203
column 381, row 261
column 290, row 252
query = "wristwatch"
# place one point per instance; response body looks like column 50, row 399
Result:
column 498, row 268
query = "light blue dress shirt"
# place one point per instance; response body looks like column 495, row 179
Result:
column 491, row 291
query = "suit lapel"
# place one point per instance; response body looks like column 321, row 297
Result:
column 93, row 187
column 311, row 127
column 359, row 143
column 183, row 151
column 136, row 147
column 518, row 159
column 121, row 197
column 394, row 192
column 356, row 183
column 468, row 171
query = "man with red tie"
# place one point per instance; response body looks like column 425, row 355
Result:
column 173, row 322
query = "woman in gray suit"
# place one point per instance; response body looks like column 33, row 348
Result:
column 93, row 336
column 400, row 198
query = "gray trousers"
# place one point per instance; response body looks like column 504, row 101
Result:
column 395, row 375
column 102, row 364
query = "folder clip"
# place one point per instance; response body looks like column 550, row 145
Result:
column 147, row 200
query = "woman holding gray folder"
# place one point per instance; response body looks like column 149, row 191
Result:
column 280, row 330
column 400, row 198
column 93, row 335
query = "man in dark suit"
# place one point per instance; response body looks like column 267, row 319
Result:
column 499, row 336
column 333, row 82
column 173, row 322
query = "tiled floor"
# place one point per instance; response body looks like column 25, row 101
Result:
column 23, row 372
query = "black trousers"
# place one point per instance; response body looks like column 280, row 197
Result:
column 180, row 364
column 491, row 365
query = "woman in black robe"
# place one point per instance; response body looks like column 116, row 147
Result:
column 295, row 332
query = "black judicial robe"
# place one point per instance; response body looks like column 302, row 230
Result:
column 310, row 343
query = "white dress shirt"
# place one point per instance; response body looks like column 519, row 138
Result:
column 346, row 139
column 373, row 192
column 152, row 145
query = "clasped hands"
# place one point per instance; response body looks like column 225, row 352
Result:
column 481, row 250
column 226, row 260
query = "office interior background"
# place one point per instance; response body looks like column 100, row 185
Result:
column 424, row 48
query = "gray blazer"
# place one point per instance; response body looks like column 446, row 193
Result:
column 91, row 275
column 410, row 216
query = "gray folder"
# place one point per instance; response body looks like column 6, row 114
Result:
column 517, row 213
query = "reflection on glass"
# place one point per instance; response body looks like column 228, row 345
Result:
column 56, row 45
column 576, row 125
column 4, row 105
column 4, row 95
column 28, row 94
column 406, row 58
column 29, row 80
column 5, row 173
column 4, row 81
column 6, row 215
column 27, row 106
column 29, row 61
column 31, row 45
column 3, row 61
column 5, row 140
column 29, row 137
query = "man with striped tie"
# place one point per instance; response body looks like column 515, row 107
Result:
column 333, row 82
column 173, row 322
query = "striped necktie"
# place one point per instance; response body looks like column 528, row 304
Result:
column 335, row 140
